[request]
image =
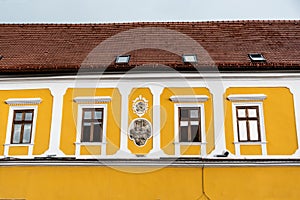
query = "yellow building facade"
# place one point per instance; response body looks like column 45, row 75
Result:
column 150, row 134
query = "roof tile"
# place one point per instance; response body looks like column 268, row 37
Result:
column 225, row 44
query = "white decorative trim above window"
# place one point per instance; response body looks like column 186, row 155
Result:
column 92, row 99
column 247, row 97
column 188, row 98
column 23, row 101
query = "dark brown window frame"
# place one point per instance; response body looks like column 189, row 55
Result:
column 22, row 122
column 92, row 121
column 188, row 119
column 247, row 119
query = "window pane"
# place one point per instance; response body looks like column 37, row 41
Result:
column 28, row 116
column 195, row 123
column 252, row 113
column 26, row 133
column 17, row 133
column 87, row 115
column 98, row 115
column 97, row 137
column 18, row 116
column 194, row 113
column 184, row 113
column 86, row 132
column 253, row 130
column 243, row 130
column 184, row 123
column 195, row 134
column 241, row 112
column 184, row 134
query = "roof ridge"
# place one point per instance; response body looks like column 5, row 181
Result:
column 153, row 22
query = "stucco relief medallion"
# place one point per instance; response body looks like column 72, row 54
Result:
column 140, row 131
column 140, row 106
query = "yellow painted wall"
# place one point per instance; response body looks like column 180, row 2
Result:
column 48, row 183
column 280, row 127
column 42, row 134
column 103, row 182
column 259, row 183
column 167, row 120
column 90, row 150
column 69, row 120
column 135, row 93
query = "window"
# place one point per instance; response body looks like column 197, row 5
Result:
column 92, row 125
column 248, row 123
column 22, row 126
column 189, row 58
column 189, row 124
column 256, row 57
column 122, row 59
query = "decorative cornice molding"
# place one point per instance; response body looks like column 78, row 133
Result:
column 246, row 161
column 92, row 99
column 247, row 97
column 188, row 98
column 23, row 101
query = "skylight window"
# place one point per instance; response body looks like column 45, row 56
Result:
column 256, row 57
column 122, row 59
column 189, row 58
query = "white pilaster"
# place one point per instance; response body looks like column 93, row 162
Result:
column 156, row 151
column 124, row 151
column 217, row 92
column 57, row 111
column 295, row 90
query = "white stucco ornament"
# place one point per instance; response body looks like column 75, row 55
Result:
column 140, row 106
column 140, row 131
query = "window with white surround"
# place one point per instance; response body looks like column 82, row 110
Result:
column 248, row 121
column 91, row 123
column 21, row 125
column 189, row 118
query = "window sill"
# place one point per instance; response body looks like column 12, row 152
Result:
column 250, row 143
column 18, row 145
column 190, row 143
column 89, row 143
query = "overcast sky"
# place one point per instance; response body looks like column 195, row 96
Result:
column 96, row 11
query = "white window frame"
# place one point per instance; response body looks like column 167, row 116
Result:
column 78, row 142
column 176, row 128
column 9, row 129
column 263, row 141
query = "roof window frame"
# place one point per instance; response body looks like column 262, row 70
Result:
column 185, row 60
column 119, row 59
column 256, row 57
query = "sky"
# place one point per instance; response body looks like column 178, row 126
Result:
column 105, row 11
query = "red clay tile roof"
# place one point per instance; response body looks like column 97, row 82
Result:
column 225, row 44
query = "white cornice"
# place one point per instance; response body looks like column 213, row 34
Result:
column 92, row 99
column 188, row 98
column 23, row 101
column 257, row 161
column 247, row 97
column 138, row 76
